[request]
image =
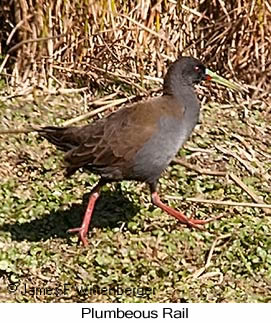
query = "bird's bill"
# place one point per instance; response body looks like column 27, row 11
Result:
column 220, row 80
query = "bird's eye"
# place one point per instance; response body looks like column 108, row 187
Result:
column 197, row 68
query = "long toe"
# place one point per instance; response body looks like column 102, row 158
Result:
column 79, row 229
column 81, row 234
column 82, row 237
column 194, row 224
column 202, row 222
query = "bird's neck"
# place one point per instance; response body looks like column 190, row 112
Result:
column 174, row 82
column 186, row 99
column 184, row 94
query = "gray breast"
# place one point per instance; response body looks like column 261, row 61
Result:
column 159, row 150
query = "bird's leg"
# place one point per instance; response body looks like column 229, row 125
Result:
column 83, row 230
column 178, row 215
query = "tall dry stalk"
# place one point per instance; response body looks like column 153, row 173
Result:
column 105, row 41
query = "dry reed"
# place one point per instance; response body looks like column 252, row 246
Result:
column 106, row 42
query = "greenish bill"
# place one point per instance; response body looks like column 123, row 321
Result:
column 220, row 80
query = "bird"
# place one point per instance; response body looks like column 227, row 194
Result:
column 138, row 141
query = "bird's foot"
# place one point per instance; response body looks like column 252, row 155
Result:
column 190, row 222
column 194, row 222
column 82, row 233
column 83, row 230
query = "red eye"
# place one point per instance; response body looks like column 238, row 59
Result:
column 197, row 68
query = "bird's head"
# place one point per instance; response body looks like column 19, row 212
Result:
column 188, row 71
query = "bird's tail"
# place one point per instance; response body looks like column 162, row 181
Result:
column 64, row 138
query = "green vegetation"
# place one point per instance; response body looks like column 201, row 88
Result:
column 56, row 64
column 133, row 244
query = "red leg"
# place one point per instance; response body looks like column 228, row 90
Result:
column 194, row 223
column 83, row 230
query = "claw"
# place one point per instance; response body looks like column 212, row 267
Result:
column 82, row 233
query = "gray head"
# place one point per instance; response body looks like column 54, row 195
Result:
column 186, row 71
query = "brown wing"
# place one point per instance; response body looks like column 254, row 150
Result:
column 109, row 145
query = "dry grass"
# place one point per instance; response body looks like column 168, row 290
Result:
column 98, row 43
